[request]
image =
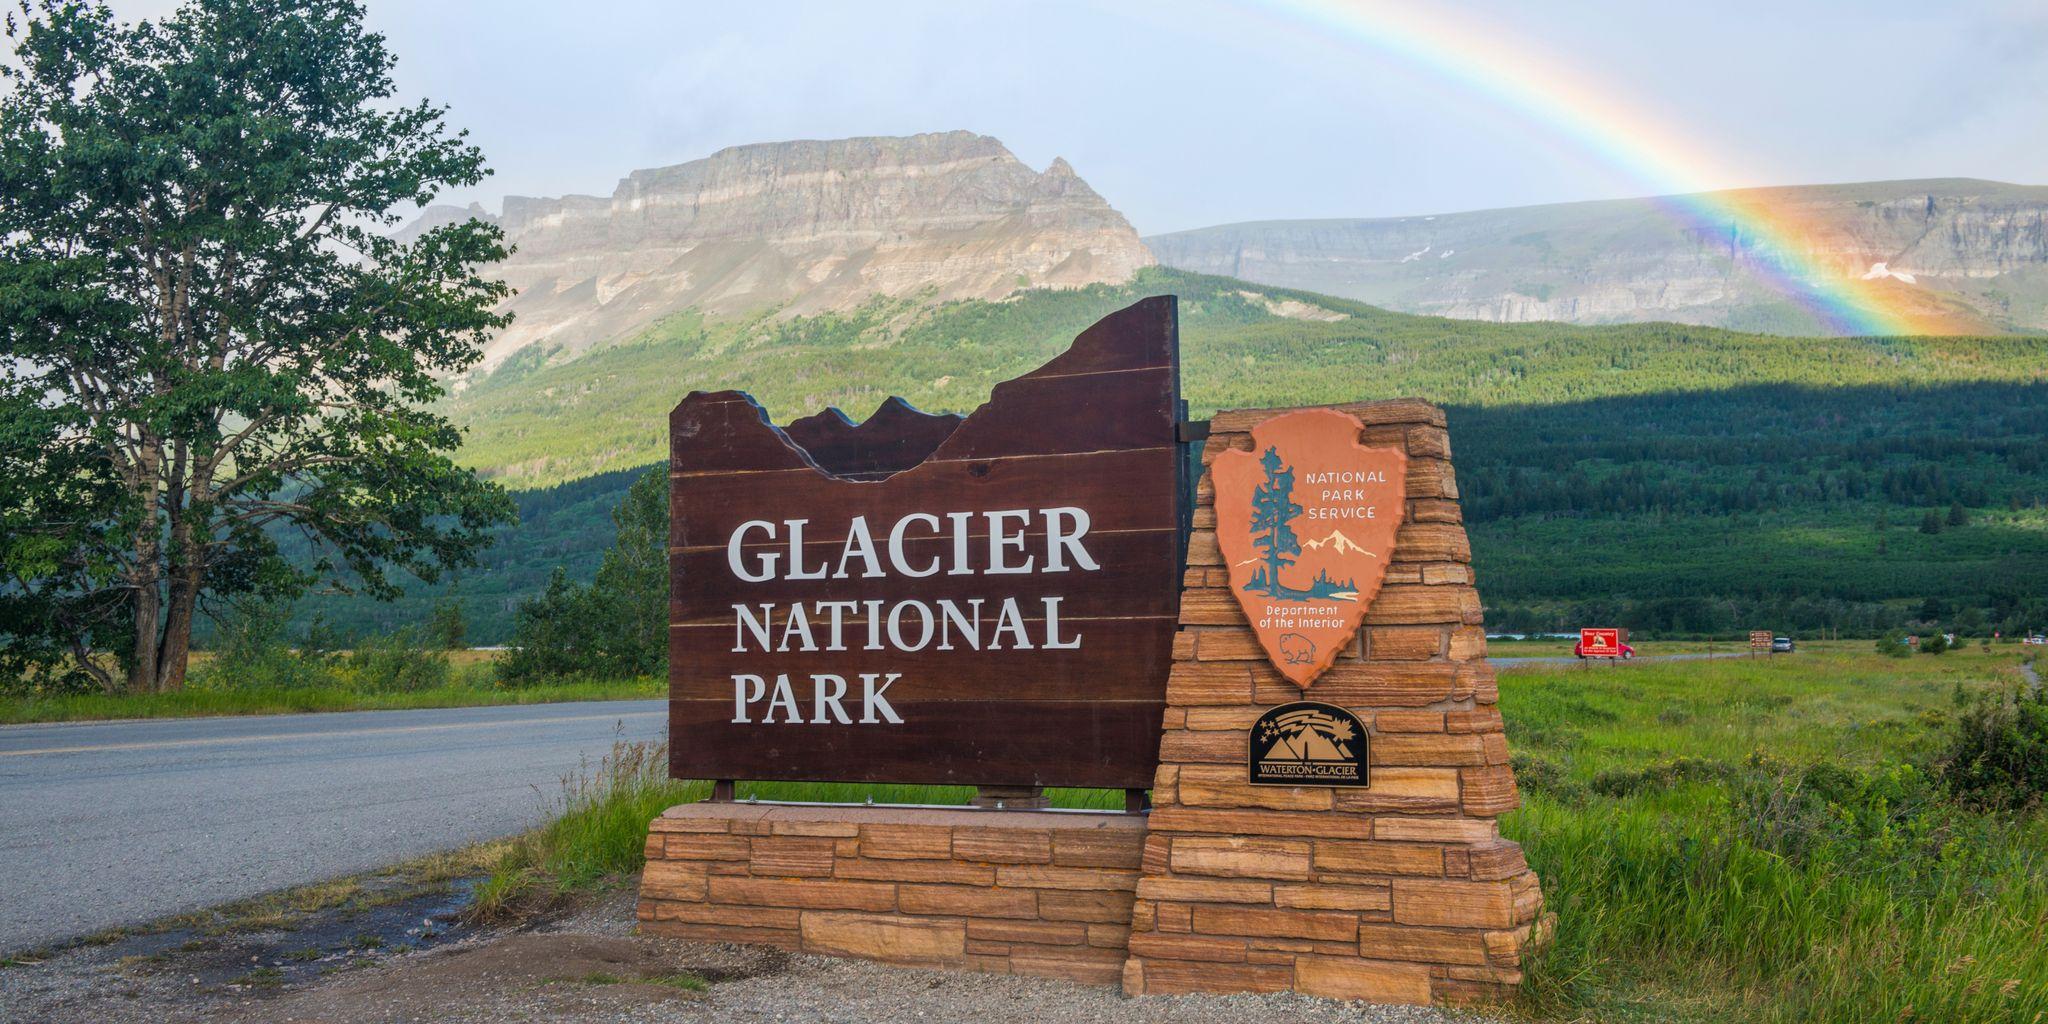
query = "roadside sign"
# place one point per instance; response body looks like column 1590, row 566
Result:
column 931, row 599
column 1759, row 639
column 1600, row 643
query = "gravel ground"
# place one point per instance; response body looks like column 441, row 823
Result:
column 588, row 967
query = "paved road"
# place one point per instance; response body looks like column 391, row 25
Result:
column 112, row 823
column 1566, row 659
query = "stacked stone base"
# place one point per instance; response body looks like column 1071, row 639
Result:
column 1403, row 892
column 1046, row 893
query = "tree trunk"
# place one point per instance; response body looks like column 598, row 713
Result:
column 187, row 575
column 142, row 667
column 176, row 652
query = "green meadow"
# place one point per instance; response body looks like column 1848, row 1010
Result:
column 1764, row 840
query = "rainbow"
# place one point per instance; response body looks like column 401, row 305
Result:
column 1770, row 237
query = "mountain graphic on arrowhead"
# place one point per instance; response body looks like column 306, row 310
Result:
column 1342, row 544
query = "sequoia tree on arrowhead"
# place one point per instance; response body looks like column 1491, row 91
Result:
column 1273, row 512
column 206, row 336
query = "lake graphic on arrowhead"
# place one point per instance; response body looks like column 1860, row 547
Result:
column 1306, row 521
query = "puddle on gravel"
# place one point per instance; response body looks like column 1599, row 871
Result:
column 313, row 946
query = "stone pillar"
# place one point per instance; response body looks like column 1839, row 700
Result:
column 1400, row 892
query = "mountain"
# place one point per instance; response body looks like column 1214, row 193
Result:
column 1673, row 478
column 799, row 228
column 1971, row 252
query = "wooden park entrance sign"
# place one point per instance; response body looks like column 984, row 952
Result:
column 1288, row 656
column 926, row 599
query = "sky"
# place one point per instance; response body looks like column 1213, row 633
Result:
column 1187, row 113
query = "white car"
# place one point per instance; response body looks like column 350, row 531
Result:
column 2036, row 639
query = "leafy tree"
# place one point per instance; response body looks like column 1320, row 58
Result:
column 208, row 338
column 616, row 626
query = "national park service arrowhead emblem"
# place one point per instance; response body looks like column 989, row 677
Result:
column 1306, row 523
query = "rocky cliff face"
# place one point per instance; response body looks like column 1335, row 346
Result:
column 1974, row 253
column 801, row 227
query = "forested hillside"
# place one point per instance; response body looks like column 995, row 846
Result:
column 1669, row 478
column 1786, row 507
column 535, row 421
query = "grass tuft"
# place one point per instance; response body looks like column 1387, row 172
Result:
column 686, row 981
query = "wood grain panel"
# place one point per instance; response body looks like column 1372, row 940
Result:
column 1125, row 489
column 1112, row 744
column 894, row 438
column 1092, row 429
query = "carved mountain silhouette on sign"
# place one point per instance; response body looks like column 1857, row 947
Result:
column 1337, row 543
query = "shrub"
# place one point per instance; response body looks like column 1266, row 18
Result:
column 1997, row 753
column 250, row 652
column 1542, row 775
column 1893, row 645
column 398, row 663
column 1892, row 818
column 1934, row 643
column 1628, row 781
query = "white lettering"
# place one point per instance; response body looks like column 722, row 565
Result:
column 797, row 624
column 860, row 543
column 896, row 544
column 838, row 610
column 743, row 694
column 1058, row 542
column 950, row 616
column 738, row 540
column 960, row 564
column 1000, row 542
column 871, row 699
column 796, row 552
column 746, row 623
column 822, row 698
column 1012, row 619
column 785, row 698
column 924, row 615
column 1052, row 628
